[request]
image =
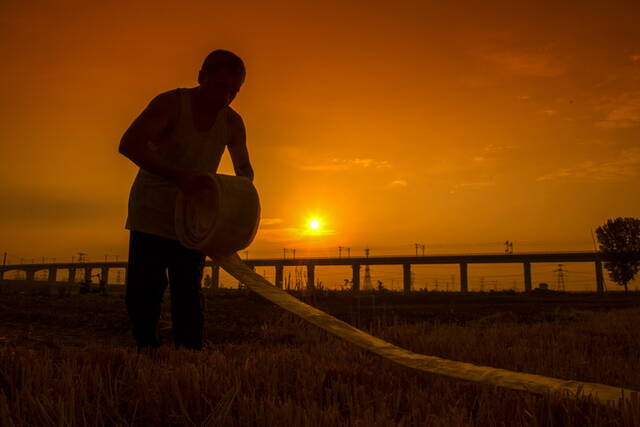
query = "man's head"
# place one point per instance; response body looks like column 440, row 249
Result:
column 221, row 77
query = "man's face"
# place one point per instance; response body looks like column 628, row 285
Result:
column 220, row 86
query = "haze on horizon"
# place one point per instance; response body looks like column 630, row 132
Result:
column 392, row 123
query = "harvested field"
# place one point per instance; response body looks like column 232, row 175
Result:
column 70, row 360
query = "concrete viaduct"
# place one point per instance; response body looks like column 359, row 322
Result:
column 526, row 259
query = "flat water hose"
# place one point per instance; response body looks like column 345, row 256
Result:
column 209, row 225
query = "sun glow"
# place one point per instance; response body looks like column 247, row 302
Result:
column 316, row 226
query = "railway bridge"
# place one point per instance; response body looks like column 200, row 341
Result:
column 463, row 261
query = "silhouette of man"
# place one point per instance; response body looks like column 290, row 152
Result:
column 180, row 135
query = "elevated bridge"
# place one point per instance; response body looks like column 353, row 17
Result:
column 463, row 261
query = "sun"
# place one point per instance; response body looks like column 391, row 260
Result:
column 315, row 224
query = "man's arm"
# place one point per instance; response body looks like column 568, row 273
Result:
column 149, row 126
column 238, row 148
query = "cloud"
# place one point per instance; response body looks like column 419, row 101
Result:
column 527, row 63
column 491, row 148
column 288, row 235
column 266, row 222
column 348, row 164
column 31, row 206
column 475, row 184
column 398, row 183
column 472, row 185
column 624, row 167
column 622, row 111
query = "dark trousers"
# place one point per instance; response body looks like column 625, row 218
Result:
column 150, row 257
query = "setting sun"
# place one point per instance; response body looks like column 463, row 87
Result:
column 314, row 224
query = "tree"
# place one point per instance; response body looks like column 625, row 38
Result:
column 619, row 242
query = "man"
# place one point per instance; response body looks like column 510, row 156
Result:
column 180, row 135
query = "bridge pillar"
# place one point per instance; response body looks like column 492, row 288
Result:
column 279, row 274
column 406, row 277
column 53, row 272
column 104, row 274
column 599, row 277
column 215, row 276
column 31, row 275
column 355, row 277
column 311, row 276
column 242, row 285
column 464, row 281
column 72, row 274
column 527, row 276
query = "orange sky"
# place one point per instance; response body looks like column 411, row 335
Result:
column 396, row 122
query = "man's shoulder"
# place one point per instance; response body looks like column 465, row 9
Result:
column 235, row 118
column 168, row 102
column 170, row 97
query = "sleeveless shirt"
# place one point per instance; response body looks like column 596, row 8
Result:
column 152, row 198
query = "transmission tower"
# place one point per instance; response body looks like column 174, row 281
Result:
column 561, row 273
column 367, row 272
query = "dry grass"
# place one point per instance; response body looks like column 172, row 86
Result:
column 289, row 373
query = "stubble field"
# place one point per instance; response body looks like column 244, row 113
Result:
column 70, row 360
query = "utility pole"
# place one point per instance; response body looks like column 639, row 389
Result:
column 284, row 253
column 508, row 247
column 420, row 246
column 339, row 251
